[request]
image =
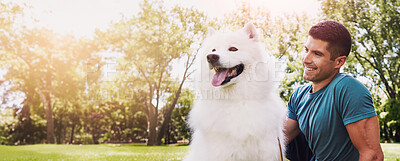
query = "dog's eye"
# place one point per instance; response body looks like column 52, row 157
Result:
column 213, row 50
column 233, row 49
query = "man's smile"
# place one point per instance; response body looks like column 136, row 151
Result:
column 310, row 69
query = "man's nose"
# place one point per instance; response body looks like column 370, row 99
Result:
column 306, row 57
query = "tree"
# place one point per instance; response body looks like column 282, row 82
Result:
column 9, row 12
column 246, row 13
column 47, row 66
column 150, row 42
column 375, row 29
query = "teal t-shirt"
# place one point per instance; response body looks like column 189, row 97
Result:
column 323, row 115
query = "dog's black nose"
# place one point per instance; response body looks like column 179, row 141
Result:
column 212, row 58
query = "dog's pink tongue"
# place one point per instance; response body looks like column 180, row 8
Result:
column 219, row 77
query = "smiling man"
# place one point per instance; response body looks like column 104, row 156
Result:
column 335, row 111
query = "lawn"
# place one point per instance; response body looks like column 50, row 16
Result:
column 92, row 152
column 391, row 151
column 119, row 152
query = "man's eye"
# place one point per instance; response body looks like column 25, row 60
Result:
column 318, row 54
column 233, row 49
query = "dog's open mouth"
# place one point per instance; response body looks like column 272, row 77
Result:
column 224, row 75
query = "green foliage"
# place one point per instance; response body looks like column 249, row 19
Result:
column 6, row 125
column 149, row 42
column 180, row 115
column 8, row 13
column 62, row 77
column 389, row 120
column 290, row 32
column 13, row 131
column 48, row 68
column 246, row 13
column 140, row 126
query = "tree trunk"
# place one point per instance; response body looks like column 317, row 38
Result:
column 168, row 112
column 27, row 130
column 152, row 124
column 50, row 120
column 385, row 132
column 71, row 139
column 25, row 116
column 397, row 134
column 167, row 117
column 49, row 115
column 391, row 134
column 167, row 135
column 59, row 130
column 95, row 138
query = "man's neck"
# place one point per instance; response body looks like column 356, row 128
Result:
column 321, row 84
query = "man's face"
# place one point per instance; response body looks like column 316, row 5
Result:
column 316, row 61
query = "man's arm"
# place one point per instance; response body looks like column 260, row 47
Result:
column 291, row 130
column 364, row 135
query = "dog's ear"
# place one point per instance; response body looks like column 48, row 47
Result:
column 251, row 30
column 211, row 31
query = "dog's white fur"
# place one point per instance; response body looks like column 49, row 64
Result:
column 242, row 119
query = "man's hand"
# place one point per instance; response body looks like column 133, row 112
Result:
column 364, row 135
column 291, row 130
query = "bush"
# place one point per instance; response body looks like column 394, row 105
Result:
column 7, row 123
column 83, row 139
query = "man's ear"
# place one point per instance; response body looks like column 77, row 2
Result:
column 339, row 61
column 251, row 30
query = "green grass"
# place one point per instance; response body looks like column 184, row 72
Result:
column 391, row 151
column 122, row 152
column 92, row 152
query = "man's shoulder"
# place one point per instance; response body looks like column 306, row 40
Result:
column 347, row 82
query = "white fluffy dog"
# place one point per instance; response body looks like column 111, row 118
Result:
column 238, row 114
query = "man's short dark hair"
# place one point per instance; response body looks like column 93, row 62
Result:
column 337, row 36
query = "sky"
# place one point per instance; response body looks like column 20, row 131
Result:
column 82, row 17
